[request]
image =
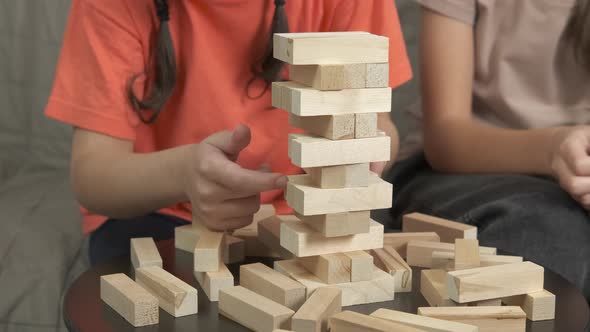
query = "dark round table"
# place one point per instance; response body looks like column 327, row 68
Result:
column 85, row 311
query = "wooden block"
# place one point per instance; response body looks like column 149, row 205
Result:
column 446, row 260
column 433, row 288
column 303, row 241
column 208, row 251
column 313, row 315
column 379, row 289
column 491, row 282
column 330, row 48
column 186, row 237
column 341, row 176
column 175, row 296
column 269, row 231
column 488, row 319
column 365, row 125
column 307, row 200
column 349, row 321
column 273, row 285
column 339, row 77
column 144, row 253
column 419, row 253
column 329, row 268
column 537, row 306
column 265, row 211
column 399, row 241
column 311, row 151
column 361, row 265
column 339, row 126
column 339, row 224
column 486, row 303
column 446, row 229
column 128, row 299
column 466, row 254
column 234, row 249
column 213, row 282
column 255, row 247
column 392, row 263
column 422, row 322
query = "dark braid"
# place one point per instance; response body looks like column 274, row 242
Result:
column 577, row 32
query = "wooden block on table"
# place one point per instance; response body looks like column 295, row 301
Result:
column 213, row 282
column 307, row 200
column 433, row 288
column 446, row 260
column 269, row 231
column 311, row 151
column 329, row 268
column 341, row 176
column 303, row 241
column 419, row 253
column 537, row 306
column 339, row 77
column 128, row 299
column 234, row 249
column 175, row 296
column 492, row 282
column 466, row 253
column 349, row 321
column 446, row 229
column 388, row 260
column 361, row 265
column 424, row 323
column 399, row 241
column 339, row 126
column 379, row 289
column 365, row 125
column 208, row 251
column 339, row 224
column 252, row 310
column 330, row 48
column 313, row 315
column 488, row 319
column 273, row 285
column 144, row 253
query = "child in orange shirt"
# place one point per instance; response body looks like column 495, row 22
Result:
column 170, row 102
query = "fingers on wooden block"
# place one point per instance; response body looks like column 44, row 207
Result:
column 138, row 306
column 347, row 321
column 208, row 251
column 446, row 229
column 144, row 253
column 313, row 315
column 339, row 224
column 365, row 125
column 424, row 323
column 175, row 296
column 329, row 268
column 537, row 305
column 390, row 261
column 213, row 282
column 340, row 176
column 419, row 253
column 399, row 241
column 339, row 77
column 511, row 319
column 252, row 310
column 466, row 253
column 273, row 285
column 334, row 127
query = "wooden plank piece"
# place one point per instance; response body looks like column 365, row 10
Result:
column 433, row 288
column 128, row 299
column 313, row 315
column 403, row 272
column 329, row 268
column 399, row 241
column 255, row 247
column 424, row 323
column 269, row 231
column 488, row 319
column 446, row 229
column 365, row 125
column 361, row 265
column 144, row 253
column 213, row 282
column 208, row 251
column 273, row 285
column 350, row 321
column 419, row 253
column 338, row 77
column 341, row 176
column 339, row 224
column 446, row 260
column 466, row 253
column 537, row 306
column 234, row 249
column 334, row 127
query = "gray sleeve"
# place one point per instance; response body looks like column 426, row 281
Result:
column 461, row 10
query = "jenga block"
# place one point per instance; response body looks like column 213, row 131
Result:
column 313, row 315
column 341, row 176
column 486, row 303
column 349, row 321
column 399, row 241
column 446, row 260
column 423, row 323
column 339, row 126
column 128, row 299
column 537, row 306
column 329, row 268
column 234, row 249
column 488, row 319
column 339, row 224
column 466, row 253
column 175, row 296
column 303, row 241
column 365, row 125
column 213, row 282
column 433, row 288
column 255, row 247
column 186, row 237
column 208, row 251
column 265, row 211
column 419, row 253
column 330, row 48
column 361, row 265
column 269, row 231
column 144, row 253
column 390, row 261
column 252, row 310
column 339, row 77
column 491, row 282
column 446, row 229
column 379, row 289
column 271, row 284
column 311, row 151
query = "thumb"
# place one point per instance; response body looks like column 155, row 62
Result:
column 231, row 142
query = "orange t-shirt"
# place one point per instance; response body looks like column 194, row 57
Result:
column 216, row 42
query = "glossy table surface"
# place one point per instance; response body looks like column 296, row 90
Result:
column 85, row 311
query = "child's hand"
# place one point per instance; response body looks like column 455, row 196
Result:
column 224, row 195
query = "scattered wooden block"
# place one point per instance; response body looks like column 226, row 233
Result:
column 273, row 285
column 423, row 323
column 303, row 241
column 313, row 315
column 492, row 282
column 329, row 268
column 446, row 229
column 361, row 265
column 330, row 48
column 234, row 249
column 208, row 251
column 433, row 288
column 269, row 231
column 466, row 254
column 446, row 260
column 128, row 299
column 339, row 224
column 379, row 289
column 175, row 296
column 213, row 282
column 537, row 306
column 307, row 200
column 339, row 77
column 399, row 241
column 311, row 151
column 388, row 260
column 488, row 319
column 339, row 126
column 349, row 321
column 419, row 253
column 341, row 176
column 252, row 310
column 144, row 253
column 365, row 125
